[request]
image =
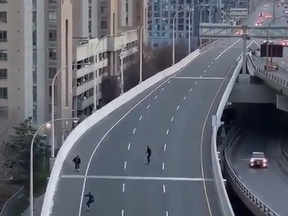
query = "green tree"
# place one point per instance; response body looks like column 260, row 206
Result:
column 19, row 150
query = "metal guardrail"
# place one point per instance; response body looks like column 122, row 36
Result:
column 267, row 210
column 269, row 75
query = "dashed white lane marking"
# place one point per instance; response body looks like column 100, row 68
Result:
column 149, row 178
column 167, row 213
column 165, row 146
column 184, row 98
column 125, row 164
column 169, row 81
column 123, row 187
column 155, row 97
column 172, row 119
column 190, row 89
column 201, row 76
column 212, row 63
column 177, row 107
column 196, row 82
column 20, row 196
column 122, row 212
column 162, row 89
column 204, row 71
column 140, row 118
column 134, row 130
column 129, row 145
column 163, row 166
column 148, row 106
column 164, row 189
column 208, row 66
column 167, row 132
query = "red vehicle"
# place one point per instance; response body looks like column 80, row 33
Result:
column 285, row 43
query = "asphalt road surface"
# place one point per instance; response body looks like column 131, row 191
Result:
column 174, row 119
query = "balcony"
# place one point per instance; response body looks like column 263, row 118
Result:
column 85, row 103
column 85, row 87
column 116, row 43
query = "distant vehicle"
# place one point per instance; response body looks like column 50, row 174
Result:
column 268, row 16
column 270, row 3
column 268, row 41
column 258, row 23
column 258, row 160
column 286, row 6
column 239, row 32
column 271, row 67
column 265, row 6
column 285, row 43
column 285, row 12
column 278, row 5
column 261, row 14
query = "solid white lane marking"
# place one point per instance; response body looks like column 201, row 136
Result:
column 155, row 97
column 134, row 130
column 164, row 189
column 199, row 78
column 226, row 49
column 135, row 178
column 172, row 119
column 184, row 98
column 190, row 89
column 122, row 212
column 123, row 187
column 129, row 146
column 148, row 106
column 162, row 89
column 165, row 146
column 196, row 82
column 163, row 166
column 177, row 107
column 125, row 164
column 140, row 118
column 167, row 132
column 204, row 71
column 167, row 213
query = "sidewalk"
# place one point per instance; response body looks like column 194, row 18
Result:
column 37, row 207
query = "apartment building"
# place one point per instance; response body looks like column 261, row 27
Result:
column 160, row 15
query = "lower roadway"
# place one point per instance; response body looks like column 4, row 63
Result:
column 262, row 134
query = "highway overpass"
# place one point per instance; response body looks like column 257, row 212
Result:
column 173, row 118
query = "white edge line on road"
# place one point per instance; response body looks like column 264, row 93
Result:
column 227, row 49
column 123, row 187
column 161, row 84
column 164, row 189
column 165, row 146
column 129, row 145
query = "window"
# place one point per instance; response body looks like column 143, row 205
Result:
column 34, row 38
column 3, row 93
column 34, row 19
column 52, row 1
column 103, row 9
column 52, row 72
column 3, row 36
column 34, row 112
column 34, row 94
column 104, row 24
column 3, row 17
column 3, row 110
column 90, row 26
column 52, row 54
column 3, row 73
column 3, row 55
column 90, row 12
column 52, row 15
column 34, row 74
column 52, row 35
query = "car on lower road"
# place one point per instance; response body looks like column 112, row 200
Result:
column 258, row 159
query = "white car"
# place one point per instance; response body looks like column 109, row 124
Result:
column 258, row 160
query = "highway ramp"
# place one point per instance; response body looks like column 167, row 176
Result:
column 175, row 121
column 263, row 133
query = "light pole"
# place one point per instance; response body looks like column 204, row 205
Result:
column 141, row 50
column 267, row 40
column 173, row 32
column 32, row 158
column 192, row 29
column 95, row 86
column 53, row 105
column 122, row 68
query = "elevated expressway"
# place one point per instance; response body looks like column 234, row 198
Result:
column 174, row 120
column 265, row 192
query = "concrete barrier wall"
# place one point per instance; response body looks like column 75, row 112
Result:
column 99, row 115
column 223, row 198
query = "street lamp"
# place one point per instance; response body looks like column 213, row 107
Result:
column 190, row 29
column 267, row 40
column 95, row 87
column 122, row 68
column 32, row 158
column 53, row 104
